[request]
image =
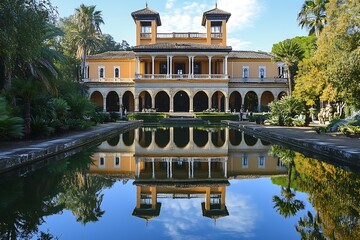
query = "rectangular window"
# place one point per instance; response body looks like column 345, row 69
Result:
column 117, row 162
column 261, row 161
column 145, row 30
column 245, row 161
column 245, row 73
column 216, row 31
column 101, row 71
column 117, row 72
column 102, row 162
column 262, row 72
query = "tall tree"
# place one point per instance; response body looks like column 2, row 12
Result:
column 313, row 16
column 86, row 33
column 290, row 53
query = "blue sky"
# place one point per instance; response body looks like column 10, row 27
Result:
column 254, row 24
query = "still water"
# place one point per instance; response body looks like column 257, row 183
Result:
column 182, row 183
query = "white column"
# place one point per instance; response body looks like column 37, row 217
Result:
column 209, row 102
column 192, row 168
column 167, row 66
column 152, row 66
column 137, row 168
column 189, row 168
column 227, row 104
column 171, row 103
column 104, row 104
column 136, row 103
column 191, row 102
column 153, row 168
column 209, row 66
column 259, row 104
column 152, row 101
column 171, row 63
column 225, row 169
column 171, row 168
column 209, row 165
column 192, row 66
column 189, row 75
column 226, row 65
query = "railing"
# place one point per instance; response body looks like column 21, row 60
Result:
column 108, row 80
column 216, row 35
column 181, row 35
column 145, row 35
column 258, row 80
column 181, row 76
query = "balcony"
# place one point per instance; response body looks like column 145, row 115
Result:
column 181, row 76
column 190, row 35
column 106, row 80
column 259, row 80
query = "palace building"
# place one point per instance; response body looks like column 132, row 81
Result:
column 183, row 71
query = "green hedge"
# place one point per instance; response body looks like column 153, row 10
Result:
column 217, row 117
column 147, row 117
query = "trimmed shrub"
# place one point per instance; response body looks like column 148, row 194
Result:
column 217, row 117
column 147, row 117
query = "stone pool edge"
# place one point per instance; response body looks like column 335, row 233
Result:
column 329, row 149
column 14, row 158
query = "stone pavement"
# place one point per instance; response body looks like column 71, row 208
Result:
column 329, row 146
column 18, row 153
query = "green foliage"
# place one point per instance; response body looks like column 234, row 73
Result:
column 217, row 117
column 313, row 16
column 60, row 108
column 41, row 127
column 80, row 106
column 350, row 130
column 10, row 127
column 284, row 110
column 147, row 117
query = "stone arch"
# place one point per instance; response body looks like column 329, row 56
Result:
column 235, row 101
column 181, row 102
column 251, row 101
column 162, row 102
column 250, row 140
column 200, row 137
column 201, row 101
column 281, row 94
column 144, row 100
column 97, row 98
column 218, row 101
column 128, row 101
column 235, row 137
column 114, row 141
column 218, row 138
column 129, row 137
column 112, row 102
column 181, row 137
column 266, row 98
column 162, row 137
column 145, row 137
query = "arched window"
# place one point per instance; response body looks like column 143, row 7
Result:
column 245, row 72
column 101, row 72
column 116, row 72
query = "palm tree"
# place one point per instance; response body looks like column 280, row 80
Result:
column 86, row 32
column 288, row 52
column 313, row 16
column 309, row 227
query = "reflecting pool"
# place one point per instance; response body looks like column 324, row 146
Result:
column 182, row 183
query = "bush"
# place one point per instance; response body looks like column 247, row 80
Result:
column 40, row 127
column 217, row 117
column 10, row 127
column 147, row 117
column 284, row 110
column 350, row 130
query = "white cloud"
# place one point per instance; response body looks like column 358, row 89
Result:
column 238, row 44
column 186, row 16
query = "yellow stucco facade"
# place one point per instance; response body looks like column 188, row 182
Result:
column 163, row 66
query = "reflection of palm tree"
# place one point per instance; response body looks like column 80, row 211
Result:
column 287, row 205
column 310, row 227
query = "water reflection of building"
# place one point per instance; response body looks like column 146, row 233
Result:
column 184, row 163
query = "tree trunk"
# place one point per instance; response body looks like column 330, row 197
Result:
column 289, row 176
column 290, row 81
column 8, row 79
column 83, row 62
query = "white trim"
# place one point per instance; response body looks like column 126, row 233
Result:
column 248, row 71
column 261, row 161
column 245, row 161
column 264, row 68
column 101, row 67
column 116, row 67
column 117, row 164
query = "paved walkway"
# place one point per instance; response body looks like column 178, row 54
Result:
column 334, row 146
column 17, row 153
